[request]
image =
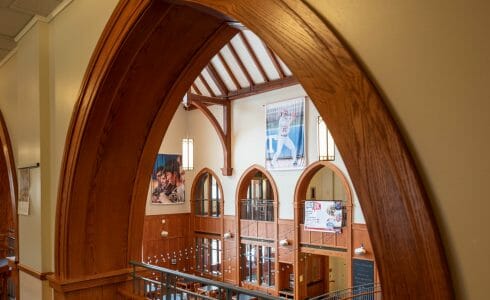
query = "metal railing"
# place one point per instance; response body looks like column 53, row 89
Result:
column 153, row 282
column 369, row 291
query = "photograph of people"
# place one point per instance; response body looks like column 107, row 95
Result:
column 168, row 180
column 285, row 135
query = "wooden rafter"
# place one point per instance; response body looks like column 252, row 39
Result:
column 224, row 133
column 241, row 64
column 206, row 85
column 206, row 100
column 274, row 60
column 263, row 87
column 254, row 56
column 280, row 65
column 217, row 79
column 194, row 86
column 228, row 69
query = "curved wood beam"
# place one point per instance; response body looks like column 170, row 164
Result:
column 395, row 204
column 224, row 133
column 8, row 191
column 147, row 58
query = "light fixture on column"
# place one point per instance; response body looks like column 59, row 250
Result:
column 187, row 154
column 283, row 242
column 326, row 145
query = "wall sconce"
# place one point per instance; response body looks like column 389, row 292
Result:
column 227, row 235
column 326, row 145
column 164, row 233
column 283, row 242
column 361, row 250
column 187, row 154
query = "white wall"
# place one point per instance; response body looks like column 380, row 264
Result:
column 248, row 148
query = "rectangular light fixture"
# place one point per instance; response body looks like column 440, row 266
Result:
column 188, row 154
column 326, row 145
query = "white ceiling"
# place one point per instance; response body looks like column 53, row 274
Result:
column 15, row 15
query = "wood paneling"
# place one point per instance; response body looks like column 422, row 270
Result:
column 146, row 59
column 177, row 246
column 360, row 236
column 286, row 231
column 230, row 272
column 207, row 224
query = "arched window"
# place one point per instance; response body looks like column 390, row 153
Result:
column 207, row 196
column 259, row 202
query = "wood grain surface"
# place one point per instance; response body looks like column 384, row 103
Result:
column 148, row 57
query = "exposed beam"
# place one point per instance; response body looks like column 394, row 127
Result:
column 280, row 65
column 228, row 69
column 206, row 85
column 263, row 87
column 274, row 60
column 254, row 56
column 194, row 86
column 241, row 64
column 224, row 133
column 217, row 79
column 207, row 100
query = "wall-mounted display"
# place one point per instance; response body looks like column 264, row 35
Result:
column 24, row 194
column 326, row 215
column 285, row 135
column 167, row 180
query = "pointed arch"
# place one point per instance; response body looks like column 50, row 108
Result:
column 148, row 57
column 8, row 194
column 300, row 193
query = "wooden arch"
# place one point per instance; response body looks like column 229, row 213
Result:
column 300, row 193
column 194, row 187
column 146, row 59
column 8, row 194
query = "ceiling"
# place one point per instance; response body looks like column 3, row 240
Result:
column 243, row 67
column 15, row 15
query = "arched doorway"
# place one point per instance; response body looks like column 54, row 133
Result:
column 256, row 215
column 148, row 56
column 341, row 241
column 9, row 243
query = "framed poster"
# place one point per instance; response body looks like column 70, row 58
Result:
column 24, row 194
column 324, row 215
column 167, row 180
column 285, row 135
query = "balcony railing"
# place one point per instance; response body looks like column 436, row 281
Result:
column 369, row 291
column 152, row 282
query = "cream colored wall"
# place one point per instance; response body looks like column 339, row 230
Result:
column 248, row 146
column 172, row 144
column 39, row 85
column 431, row 60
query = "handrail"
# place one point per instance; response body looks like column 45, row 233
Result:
column 228, row 288
column 365, row 291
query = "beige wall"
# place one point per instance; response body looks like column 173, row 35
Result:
column 39, row 85
column 431, row 60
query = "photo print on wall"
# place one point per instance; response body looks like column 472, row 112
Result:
column 285, row 135
column 167, row 180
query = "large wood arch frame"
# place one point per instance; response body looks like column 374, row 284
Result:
column 8, row 192
column 146, row 59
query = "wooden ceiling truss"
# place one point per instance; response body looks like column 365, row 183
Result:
column 201, row 95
